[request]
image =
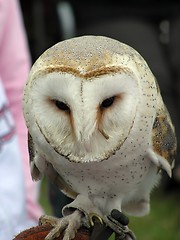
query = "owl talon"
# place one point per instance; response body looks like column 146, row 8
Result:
column 92, row 217
column 69, row 225
column 45, row 219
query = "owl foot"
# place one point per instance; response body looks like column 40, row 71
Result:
column 69, row 225
column 117, row 222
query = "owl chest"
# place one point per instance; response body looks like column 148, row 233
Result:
column 120, row 173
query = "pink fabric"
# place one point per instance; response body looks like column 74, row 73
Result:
column 14, row 68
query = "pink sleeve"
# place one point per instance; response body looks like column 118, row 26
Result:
column 14, row 68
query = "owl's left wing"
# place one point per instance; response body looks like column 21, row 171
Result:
column 164, row 142
column 47, row 169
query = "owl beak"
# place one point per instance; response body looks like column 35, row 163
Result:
column 87, row 146
column 86, row 143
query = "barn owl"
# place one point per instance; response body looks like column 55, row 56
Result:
column 98, row 128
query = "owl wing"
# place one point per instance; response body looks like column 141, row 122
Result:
column 163, row 141
column 46, row 169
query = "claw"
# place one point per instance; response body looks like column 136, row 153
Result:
column 92, row 217
column 69, row 225
column 45, row 219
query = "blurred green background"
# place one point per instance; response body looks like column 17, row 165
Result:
column 163, row 222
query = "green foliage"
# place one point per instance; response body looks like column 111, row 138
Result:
column 44, row 198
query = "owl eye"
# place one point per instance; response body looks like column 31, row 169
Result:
column 62, row 106
column 107, row 102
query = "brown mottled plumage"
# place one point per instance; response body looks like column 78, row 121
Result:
column 164, row 140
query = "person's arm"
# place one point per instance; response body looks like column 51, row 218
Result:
column 14, row 68
column 13, row 216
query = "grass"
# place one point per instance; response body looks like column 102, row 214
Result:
column 163, row 222
column 44, row 198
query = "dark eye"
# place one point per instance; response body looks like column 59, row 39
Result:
column 107, row 102
column 62, row 106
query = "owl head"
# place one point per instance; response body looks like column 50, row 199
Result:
column 83, row 96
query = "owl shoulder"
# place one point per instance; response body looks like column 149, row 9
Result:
column 47, row 169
